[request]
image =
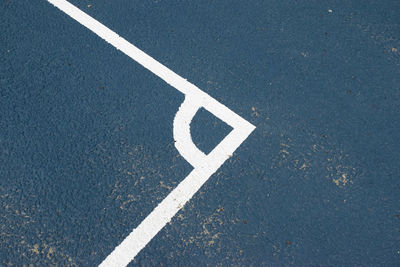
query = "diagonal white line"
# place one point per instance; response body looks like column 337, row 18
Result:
column 204, row 165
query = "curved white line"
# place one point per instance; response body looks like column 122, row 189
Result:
column 182, row 136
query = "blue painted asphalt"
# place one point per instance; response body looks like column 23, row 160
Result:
column 86, row 145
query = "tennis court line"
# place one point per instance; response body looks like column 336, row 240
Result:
column 204, row 165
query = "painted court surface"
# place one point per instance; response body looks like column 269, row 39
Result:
column 88, row 144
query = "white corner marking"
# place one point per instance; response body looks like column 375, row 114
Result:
column 203, row 165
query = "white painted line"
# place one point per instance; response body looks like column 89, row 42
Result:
column 204, row 165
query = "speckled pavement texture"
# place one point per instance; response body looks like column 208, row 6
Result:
column 87, row 151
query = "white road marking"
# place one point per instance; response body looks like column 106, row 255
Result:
column 204, row 165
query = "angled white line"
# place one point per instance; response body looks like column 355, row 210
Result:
column 204, row 165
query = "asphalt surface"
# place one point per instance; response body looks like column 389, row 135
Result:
column 87, row 151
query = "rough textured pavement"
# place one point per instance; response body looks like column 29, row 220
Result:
column 86, row 145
